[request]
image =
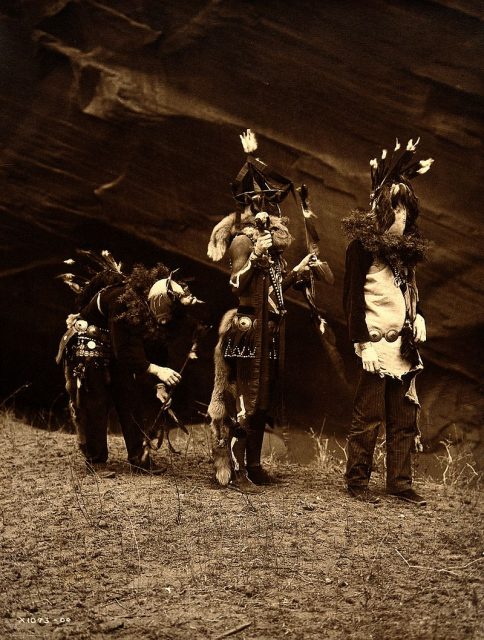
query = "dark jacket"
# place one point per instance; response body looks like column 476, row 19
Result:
column 358, row 262
column 129, row 347
column 357, row 265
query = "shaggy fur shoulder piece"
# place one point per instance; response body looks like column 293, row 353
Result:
column 407, row 250
column 134, row 299
column 223, row 234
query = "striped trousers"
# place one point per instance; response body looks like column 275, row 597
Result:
column 381, row 401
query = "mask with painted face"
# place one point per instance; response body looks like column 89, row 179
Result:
column 167, row 298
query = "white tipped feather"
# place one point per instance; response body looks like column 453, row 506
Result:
column 425, row 165
column 309, row 213
column 411, row 145
column 111, row 262
column 423, row 169
column 249, row 141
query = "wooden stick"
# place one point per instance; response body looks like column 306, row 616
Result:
column 231, row 632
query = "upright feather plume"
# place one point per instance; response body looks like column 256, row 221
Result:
column 249, row 141
column 388, row 169
column 75, row 283
column 104, row 260
column 94, row 271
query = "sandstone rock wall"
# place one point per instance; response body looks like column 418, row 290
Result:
column 119, row 123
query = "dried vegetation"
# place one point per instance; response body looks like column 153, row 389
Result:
column 175, row 557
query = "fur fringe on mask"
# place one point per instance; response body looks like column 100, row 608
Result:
column 400, row 251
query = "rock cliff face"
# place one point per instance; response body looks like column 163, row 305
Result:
column 119, row 123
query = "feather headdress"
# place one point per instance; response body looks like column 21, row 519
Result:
column 395, row 168
column 256, row 188
column 257, row 179
column 91, row 263
column 94, row 271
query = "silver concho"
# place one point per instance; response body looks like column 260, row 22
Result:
column 390, row 336
column 91, row 344
column 80, row 325
column 375, row 335
column 244, row 323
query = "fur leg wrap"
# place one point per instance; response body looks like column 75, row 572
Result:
column 223, row 394
column 221, row 460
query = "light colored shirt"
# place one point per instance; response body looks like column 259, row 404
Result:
column 385, row 311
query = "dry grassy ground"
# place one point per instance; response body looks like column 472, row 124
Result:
column 176, row 557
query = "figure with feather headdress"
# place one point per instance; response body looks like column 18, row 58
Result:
column 249, row 356
column 385, row 322
column 115, row 353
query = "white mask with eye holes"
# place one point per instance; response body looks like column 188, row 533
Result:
column 400, row 211
column 166, row 294
column 398, row 226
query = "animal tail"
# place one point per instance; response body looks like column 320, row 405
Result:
column 217, row 409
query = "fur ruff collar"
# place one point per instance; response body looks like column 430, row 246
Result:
column 133, row 301
column 399, row 251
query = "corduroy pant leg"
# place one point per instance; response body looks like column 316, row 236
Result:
column 368, row 415
column 400, row 435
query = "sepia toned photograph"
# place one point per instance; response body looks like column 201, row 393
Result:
column 241, row 319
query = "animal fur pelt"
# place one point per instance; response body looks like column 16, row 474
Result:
column 221, row 408
column 223, row 233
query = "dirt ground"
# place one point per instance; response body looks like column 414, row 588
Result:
column 176, row 557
